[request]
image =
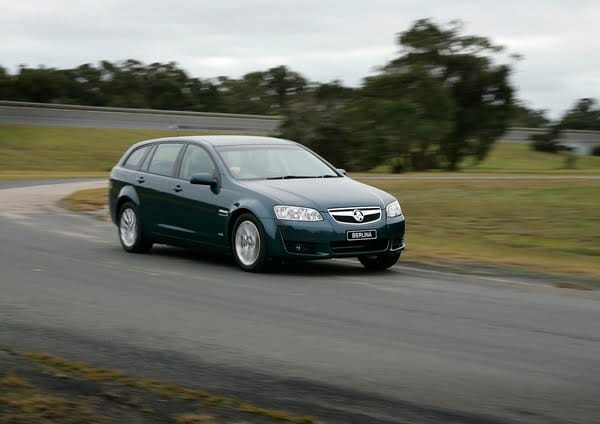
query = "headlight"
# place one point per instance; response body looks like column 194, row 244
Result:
column 296, row 213
column 393, row 209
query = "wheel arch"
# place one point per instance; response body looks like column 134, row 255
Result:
column 126, row 194
column 261, row 213
column 233, row 218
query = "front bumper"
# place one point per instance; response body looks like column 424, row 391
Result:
column 327, row 238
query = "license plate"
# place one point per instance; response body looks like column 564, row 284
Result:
column 361, row 235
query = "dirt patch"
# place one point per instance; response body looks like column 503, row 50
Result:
column 39, row 387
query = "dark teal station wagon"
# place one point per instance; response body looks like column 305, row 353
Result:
column 261, row 199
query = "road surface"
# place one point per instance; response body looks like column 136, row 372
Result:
column 324, row 338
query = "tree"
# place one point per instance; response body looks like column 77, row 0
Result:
column 6, row 85
column 523, row 116
column 584, row 115
column 411, row 111
column 480, row 89
column 314, row 118
column 262, row 92
column 547, row 141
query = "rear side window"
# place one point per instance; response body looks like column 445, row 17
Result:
column 195, row 159
column 135, row 158
column 164, row 159
column 148, row 157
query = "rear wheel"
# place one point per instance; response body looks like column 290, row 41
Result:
column 249, row 244
column 380, row 262
column 130, row 230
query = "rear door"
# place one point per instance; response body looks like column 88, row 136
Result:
column 158, row 194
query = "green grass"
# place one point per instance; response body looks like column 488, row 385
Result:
column 513, row 158
column 49, row 175
column 552, row 226
column 34, row 150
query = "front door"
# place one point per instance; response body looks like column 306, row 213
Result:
column 198, row 207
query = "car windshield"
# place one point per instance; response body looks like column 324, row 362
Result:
column 274, row 162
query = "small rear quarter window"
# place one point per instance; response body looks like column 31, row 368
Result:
column 134, row 160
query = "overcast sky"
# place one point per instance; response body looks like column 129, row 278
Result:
column 322, row 39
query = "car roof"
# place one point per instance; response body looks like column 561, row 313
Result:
column 225, row 140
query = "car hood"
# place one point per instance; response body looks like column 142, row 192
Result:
column 320, row 193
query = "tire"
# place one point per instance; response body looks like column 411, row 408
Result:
column 379, row 262
column 248, row 244
column 129, row 226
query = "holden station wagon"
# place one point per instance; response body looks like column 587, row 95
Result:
column 261, row 199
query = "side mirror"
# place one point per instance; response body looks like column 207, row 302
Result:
column 341, row 171
column 203, row 178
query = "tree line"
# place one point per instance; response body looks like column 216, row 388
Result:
column 445, row 97
column 133, row 84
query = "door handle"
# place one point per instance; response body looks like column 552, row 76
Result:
column 177, row 188
column 140, row 180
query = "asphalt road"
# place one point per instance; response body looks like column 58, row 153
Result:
column 325, row 338
column 151, row 121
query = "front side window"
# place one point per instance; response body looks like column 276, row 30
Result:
column 135, row 158
column 195, row 160
column 164, row 159
column 274, row 162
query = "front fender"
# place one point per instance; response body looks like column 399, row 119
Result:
column 264, row 213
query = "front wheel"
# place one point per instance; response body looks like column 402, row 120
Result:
column 249, row 244
column 130, row 230
column 379, row 262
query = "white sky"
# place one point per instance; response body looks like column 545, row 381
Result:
column 323, row 40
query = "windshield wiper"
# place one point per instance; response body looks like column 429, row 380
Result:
column 290, row 177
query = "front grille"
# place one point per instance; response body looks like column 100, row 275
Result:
column 358, row 246
column 359, row 215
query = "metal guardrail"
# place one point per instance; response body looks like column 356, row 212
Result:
column 135, row 110
column 521, row 135
column 28, row 113
column 580, row 141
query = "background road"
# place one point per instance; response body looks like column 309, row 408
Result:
column 327, row 338
column 90, row 117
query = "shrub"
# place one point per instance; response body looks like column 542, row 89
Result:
column 548, row 141
column 596, row 150
column 543, row 144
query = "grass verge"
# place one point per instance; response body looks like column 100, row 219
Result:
column 23, row 402
column 90, row 200
column 28, row 151
column 49, row 175
column 520, row 158
column 39, row 387
column 548, row 226
column 516, row 158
